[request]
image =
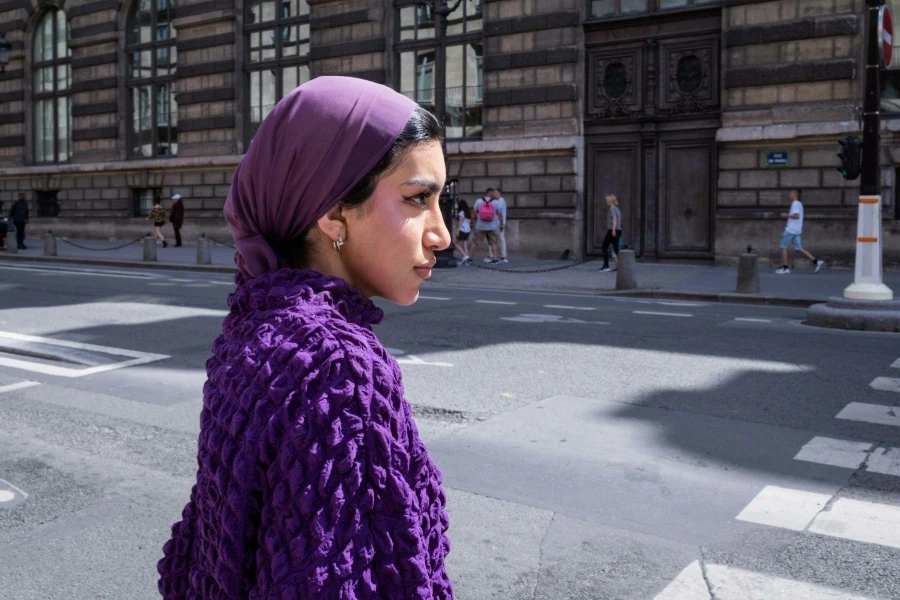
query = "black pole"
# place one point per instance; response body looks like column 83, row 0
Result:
column 871, row 155
column 445, row 258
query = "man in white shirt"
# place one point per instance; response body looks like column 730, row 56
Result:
column 792, row 233
column 500, row 204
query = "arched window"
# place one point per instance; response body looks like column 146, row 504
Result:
column 150, row 79
column 52, row 70
column 277, row 59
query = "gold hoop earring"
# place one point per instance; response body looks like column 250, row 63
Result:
column 338, row 244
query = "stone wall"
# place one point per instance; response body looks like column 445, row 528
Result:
column 793, row 76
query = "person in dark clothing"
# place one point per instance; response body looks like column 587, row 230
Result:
column 4, row 229
column 176, row 217
column 18, row 214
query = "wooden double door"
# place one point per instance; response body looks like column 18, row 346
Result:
column 651, row 116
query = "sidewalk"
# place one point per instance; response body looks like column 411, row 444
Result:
column 800, row 288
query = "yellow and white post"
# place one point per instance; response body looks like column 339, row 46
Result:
column 867, row 283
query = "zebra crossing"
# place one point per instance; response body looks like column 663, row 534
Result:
column 807, row 512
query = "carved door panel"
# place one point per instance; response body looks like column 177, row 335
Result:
column 686, row 193
column 615, row 168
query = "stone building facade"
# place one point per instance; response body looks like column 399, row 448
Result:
column 698, row 115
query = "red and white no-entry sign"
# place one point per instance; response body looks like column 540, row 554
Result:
column 886, row 35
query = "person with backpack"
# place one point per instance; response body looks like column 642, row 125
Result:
column 487, row 222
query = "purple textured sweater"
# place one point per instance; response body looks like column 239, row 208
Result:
column 312, row 481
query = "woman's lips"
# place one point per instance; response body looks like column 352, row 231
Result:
column 423, row 272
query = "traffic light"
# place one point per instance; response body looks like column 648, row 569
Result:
column 851, row 157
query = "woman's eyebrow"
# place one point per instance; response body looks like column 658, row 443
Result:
column 431, row 186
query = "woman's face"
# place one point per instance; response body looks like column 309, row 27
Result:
column 391, row 240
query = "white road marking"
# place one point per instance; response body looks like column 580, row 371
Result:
column 496, row 302
column 860, row 521
column 161, row 284
column 537, row 318
column 182, row 280
column 137, row 358
column 731, row 583
column 411, row 359
column 783, row 507
column 9, row 492
column 678, row 303
column 18, row 386
column 885, row 461
column 689, row 585
column 560, row 306
column 432, row 298
column 751, row 320
column 661, row 314
column 222, row 282
column 837, row 453
column 896, row 364
column 886, row 384
column 871, row 413
column 74, row 272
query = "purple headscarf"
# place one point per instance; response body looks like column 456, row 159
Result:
column 317, row 143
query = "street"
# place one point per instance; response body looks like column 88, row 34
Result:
column 591, row 447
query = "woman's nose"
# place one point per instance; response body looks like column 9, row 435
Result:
column 437, row 236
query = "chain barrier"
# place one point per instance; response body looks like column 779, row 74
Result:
column 502, row 270
column 71, row 243
column 214, row 240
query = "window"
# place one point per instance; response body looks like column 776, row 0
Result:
column 150, row 80
column 52, row 78
column 277, row 53
column 624, row 8
column 143, row 200
column 415, row 55
column 48, row 204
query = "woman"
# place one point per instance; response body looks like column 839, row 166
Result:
column 465, row 229
column 313, row 483
column 158, row 216
column 4, row 229
column 613, row 231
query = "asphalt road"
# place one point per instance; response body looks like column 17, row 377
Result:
column 592, row 448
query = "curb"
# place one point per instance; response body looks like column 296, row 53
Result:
column 659, row 294
column 724, row 297
column 119, row 263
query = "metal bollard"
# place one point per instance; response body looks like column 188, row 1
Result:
column 203, row 255
column 12, row 246
column 748, row 273
column 49, row 244
column 626, row 277
column 149, row 248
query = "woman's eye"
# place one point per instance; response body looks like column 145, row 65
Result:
column 421, row 199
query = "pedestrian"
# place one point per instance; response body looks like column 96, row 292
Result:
column 4, row 228
column 613, row 232
column 465, row 229
column 18, row 215
column 792, row 233
column 312, row 479
column 158, row 216
column 176, row 217
column 487, row 222
column 500, row 204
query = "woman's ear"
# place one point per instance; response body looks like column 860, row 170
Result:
column 333, row 224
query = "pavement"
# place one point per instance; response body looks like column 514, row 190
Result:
column 592, row 447
column 686, row 281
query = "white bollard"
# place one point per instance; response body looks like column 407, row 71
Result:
column 867, row 283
